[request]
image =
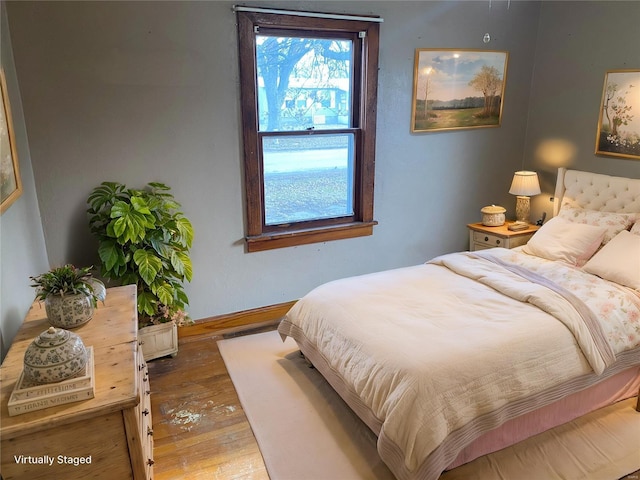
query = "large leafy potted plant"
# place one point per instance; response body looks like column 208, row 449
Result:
column 144, row 239
column 70, row 294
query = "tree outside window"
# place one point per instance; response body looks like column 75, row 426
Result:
column 308, row 92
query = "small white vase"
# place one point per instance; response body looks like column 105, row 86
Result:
column 69, row 311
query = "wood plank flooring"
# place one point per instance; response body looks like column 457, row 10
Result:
column 199, row 428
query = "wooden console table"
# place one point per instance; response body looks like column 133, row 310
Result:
column 108, row 436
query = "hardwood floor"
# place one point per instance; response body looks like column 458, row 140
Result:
column 199, row 428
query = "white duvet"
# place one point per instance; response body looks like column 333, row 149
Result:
column 426, row 353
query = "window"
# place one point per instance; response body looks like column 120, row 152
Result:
column 308, row 98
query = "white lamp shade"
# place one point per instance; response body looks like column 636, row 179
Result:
column 525, row 184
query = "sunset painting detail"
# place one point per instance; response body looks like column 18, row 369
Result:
column 454, row 89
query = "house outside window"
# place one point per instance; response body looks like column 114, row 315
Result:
column 308, row 99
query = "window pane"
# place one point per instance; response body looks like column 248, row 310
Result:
column 303, row 83
column 307, row 177
column 290, row 67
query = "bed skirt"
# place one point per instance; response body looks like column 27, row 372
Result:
column 614, row 389
column 485, row 434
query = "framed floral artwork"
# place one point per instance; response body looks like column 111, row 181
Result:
column 454, row 89
column 10, row 183
column 619, row 121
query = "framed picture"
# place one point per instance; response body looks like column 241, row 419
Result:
column 619, row 122
column 454, row 89
column 10, row 183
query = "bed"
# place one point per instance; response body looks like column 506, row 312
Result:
column 474, row 351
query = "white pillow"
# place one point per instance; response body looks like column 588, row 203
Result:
column 560, row 239
column 618, row 261
column 636, row 228
column 614, row 222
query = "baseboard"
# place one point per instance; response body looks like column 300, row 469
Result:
column 231, row 322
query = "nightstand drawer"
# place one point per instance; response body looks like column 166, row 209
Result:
column 481, row 236
column 488, row 239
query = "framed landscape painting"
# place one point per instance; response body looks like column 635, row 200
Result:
column 619, row 121
column 454, row 89
column 10, row 184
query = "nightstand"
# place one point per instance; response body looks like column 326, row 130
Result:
column 481, row 236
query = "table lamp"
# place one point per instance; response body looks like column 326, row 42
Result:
column 525, row 184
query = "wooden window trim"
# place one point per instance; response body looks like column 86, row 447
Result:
column 258, row 236
column 290, row 238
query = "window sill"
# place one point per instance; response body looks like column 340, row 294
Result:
column 273, row 240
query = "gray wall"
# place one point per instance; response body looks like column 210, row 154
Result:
column 577, row 43
column 148, row 91
column 22, row 248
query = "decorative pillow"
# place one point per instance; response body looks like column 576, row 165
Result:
column 560, row 239
column 614, row 222
column 618, row 261
column 636, row 228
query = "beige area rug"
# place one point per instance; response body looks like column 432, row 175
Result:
column 306, row 431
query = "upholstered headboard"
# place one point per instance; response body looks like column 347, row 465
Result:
column 594, row 191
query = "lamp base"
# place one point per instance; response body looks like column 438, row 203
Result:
column 522, row 209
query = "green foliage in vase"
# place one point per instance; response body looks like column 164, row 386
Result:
column 144, row 238
column 67, row 280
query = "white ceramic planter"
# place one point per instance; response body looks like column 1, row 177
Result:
column 69, row 311
column 159, row 340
